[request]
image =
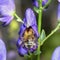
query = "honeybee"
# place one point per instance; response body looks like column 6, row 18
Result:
column 29, row 38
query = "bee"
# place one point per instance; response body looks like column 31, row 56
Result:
column 28, row 34
column 29, row 38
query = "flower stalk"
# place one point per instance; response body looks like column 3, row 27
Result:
column 57, row 28
column 49, row 1
column 39, row 25
column 18, row 18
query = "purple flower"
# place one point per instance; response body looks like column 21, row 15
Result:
column 28, row 34
column 44, row 2
column 56, row 54
column 58, row 0
column 58, row 12
column 35, row 2
column 2, row 50
column 7, row 9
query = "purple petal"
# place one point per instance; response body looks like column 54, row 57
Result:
column 56, row 54
column 22, row 27
column 58, row 12
column 35, row 3
column 2, row 50
column 58, row 0
column 22, row 51
column 6, row 19
column 33, row 49
column 7, row 8
column 7, row 5
column 35, row 30
column 44, row 2
column 30, row 17
column 18, row 43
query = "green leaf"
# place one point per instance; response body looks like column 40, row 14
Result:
column 36, row 9
column 37, row 52
column 43, row 35
column 28, row 55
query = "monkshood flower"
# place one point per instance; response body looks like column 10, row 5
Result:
column 2, row 50
column 7, row 9
column 56, row 54
column 35, row 2
column 58, row 11
column 28, row 34
column 58, row 0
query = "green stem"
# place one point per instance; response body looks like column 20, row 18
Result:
column 57, row 28
column 28, row 57
column 18, row 18
column 25, row 57
column 39, row 25
column 49, row 1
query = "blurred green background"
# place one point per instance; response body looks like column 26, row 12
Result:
column 49, row 21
